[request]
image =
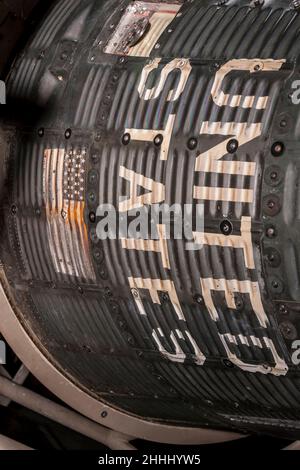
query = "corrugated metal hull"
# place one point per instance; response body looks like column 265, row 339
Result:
column 192, row 337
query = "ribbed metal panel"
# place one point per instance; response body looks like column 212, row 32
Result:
column 79, row 297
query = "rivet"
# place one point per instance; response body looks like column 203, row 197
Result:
column 41, row 132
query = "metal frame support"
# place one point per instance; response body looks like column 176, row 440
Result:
column 64, row 416
column 19, row 379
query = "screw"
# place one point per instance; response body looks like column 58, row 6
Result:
column 273, row 175
column 277, row 149
column 226, row 227
column 92, row 196
column 102, row 273
column 64, row 214
column 14, row 210
column 198, row 299
column 232, row 146
column 92, row 217
column 95, row 158
column 158, row 140
column 41, row 132
column 126, row 139
column 104, row 414
column 283, row 310
column 93, row 177
column 135, row 293
column 97, row 253
column 283, row 123
column 192, row 143
column 68, row 133
column 270, row 232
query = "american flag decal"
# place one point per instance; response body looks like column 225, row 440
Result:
column 64, row 198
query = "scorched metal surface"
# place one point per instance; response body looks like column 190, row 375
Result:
column 138, row 103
